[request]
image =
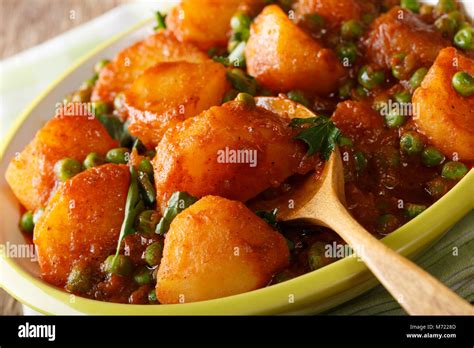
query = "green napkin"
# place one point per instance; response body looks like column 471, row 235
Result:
column 451, row 260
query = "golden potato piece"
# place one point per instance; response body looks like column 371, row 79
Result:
column 233, row 151
column 283, row 57
column 171, row 92
column 31, row 174
column 218, row 248
column 335, row 12
column 402, row 31
column 82, row 221
column 134, row 60
column 442, row 114
column 206, row 23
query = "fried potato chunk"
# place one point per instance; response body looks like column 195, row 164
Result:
column 283, row 57
column 134, row 60
column 31, row 174
column 206, row 23
column 335, row 12
column 169, row 93
column 82, row 221
column 218, row 248
column 402, row 31
column 442, row 114
column 233, row 151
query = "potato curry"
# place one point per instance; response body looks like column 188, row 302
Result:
column 143, row 195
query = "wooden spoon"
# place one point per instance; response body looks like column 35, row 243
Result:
column 318, row 199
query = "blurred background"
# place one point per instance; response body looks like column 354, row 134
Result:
column 27, row 23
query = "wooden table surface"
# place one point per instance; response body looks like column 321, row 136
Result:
column 27, row 23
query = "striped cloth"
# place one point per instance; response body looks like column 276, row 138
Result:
column 25, row 75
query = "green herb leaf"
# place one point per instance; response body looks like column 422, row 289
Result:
column 269, row 216
column 148, row 191
column 116, row 129
column 133, row 207
column 220, row 59
column 176, row 204
column 321, row 137
column 160, row 21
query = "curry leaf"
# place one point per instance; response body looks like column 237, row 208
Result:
column 176, row 204
column 320, row 137
column 133, row 206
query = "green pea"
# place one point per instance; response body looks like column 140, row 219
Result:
column 230, row 95
column 153, row 253
column 100, row 108
column 79, row 279
column 145, row 166
column 446, row 25
column 437, row 187
column 316, row 256
column 446, row 6
column 411, row 5
column 345, row 141
column 394, row 119
column 464, row 38
column 118, row 155
column 426, row 10
column 387, row 223
column 360, row 161
column 150, row 154
column 417, row 77
column 388, row 156
column 351, row 29
column 402, row 97
column 147, row 221
column 346, row 89
column 240, row 22
column 241, row 81
column 152, row 296
column 142, row 276
column 360, row 92
column 370, row 78
column 26, row 222
column 298, row 96
column 413, row 210
column 100, row 65
column 454, row 170
column 93, row 160
column 398, row 67
column 463, row 83
column 122, row 266
column 245, row 99
column 411, row 143
column 81, row 96
column 67, row 168
column 313, row 22
column 431, row 157
column 347, row 53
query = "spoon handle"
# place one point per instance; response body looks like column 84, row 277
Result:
column 417, row 291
